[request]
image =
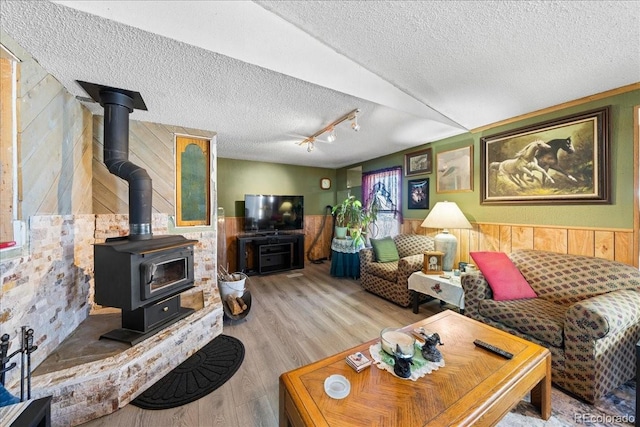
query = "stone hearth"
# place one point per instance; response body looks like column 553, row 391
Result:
column 51, row 288
column 89, row 378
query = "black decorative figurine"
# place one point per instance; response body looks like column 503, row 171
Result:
column 401, row 365
column 429, row 350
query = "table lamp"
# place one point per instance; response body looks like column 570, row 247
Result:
column 446, row 215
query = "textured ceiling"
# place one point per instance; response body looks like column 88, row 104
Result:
column 265, row 74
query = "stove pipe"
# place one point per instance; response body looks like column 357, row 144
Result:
column 117, row 107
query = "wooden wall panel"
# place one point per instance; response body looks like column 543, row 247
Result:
column 489, row 237
column 521, row 237
column 604, row 244
column 31, row 73
column 505, row 238
column 474, row 241
column 37, row 99
column 613, row 244
column 623, row 247
column 464, row 240
column 107, row 192
column 41, row 156
column 315, row 231
column 151, row 146
column 54, row 134
column 83, row 173
column 550, row 239
column 580, row 242
column 233, row 227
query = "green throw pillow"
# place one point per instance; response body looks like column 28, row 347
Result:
column 385, row 249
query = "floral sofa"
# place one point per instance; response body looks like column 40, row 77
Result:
column 390, row 279
column 587, row 313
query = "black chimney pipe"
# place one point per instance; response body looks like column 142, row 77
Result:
column 117, row 107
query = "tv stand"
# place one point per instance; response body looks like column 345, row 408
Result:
column 263, row 254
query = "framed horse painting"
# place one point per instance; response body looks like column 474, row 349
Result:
column 565, row 160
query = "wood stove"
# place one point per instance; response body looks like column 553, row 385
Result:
column 144, row 278
column 141, row 274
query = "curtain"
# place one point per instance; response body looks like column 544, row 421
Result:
column 384, row 186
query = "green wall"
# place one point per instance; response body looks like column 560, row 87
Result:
column 619, row 214
column 235, row 178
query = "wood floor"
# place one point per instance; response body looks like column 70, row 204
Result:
column 296, row 317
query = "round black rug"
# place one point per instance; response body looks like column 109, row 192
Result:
column 196, row 377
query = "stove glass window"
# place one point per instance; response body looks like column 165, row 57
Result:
column 162, row 274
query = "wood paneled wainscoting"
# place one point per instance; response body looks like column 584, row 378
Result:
column 613, row 244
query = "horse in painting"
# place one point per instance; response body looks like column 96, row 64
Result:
column 548, row 158
column 523, row 164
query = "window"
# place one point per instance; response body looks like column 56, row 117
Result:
column 384, row 187
column 9, row 234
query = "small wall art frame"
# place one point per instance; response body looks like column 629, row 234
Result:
column 418, row 193
column 454, row 170
column 418, row 162
column 565, row 160
column 193, row 187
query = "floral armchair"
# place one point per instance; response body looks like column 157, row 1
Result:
column 390, row 279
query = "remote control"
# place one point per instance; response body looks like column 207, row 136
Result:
column 493, row 349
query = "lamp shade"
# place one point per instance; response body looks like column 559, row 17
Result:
column 446, row 215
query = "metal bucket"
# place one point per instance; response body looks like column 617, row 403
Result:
column 234, row 288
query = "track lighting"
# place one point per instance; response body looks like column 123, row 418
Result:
column 332, row 135
column 331, row 129
column 354, row 125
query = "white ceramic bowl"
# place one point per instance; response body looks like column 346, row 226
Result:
column 391, row 338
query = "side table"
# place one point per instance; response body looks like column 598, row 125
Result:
column 345, row 258
column 446, row 290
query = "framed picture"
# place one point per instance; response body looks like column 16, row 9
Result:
column 418, row 194
column 418, row 162
column 454, row 170
column 559, row 161
column 193, row 189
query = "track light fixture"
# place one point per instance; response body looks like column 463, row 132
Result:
column 332, row 135
column 331, row 129
column 354, row 124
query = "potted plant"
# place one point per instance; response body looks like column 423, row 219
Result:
column 346, row 213
column 360, row 228
column 353, row 216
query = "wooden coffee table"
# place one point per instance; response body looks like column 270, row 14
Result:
column 474, row 387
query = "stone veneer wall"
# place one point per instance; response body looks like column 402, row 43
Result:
column 204, row 263
column 51, row 291
column 48, row 289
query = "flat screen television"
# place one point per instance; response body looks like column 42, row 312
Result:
column 272, row 213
